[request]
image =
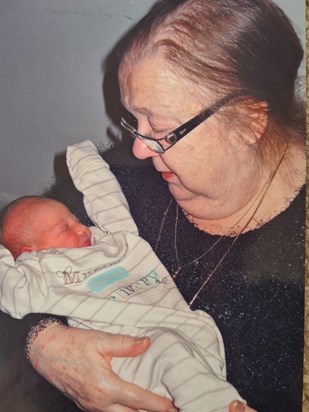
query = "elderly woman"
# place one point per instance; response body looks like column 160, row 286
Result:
column 209, row 95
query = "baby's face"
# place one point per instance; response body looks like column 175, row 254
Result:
column 54, row 226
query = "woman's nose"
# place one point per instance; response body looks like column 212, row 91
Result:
column 141, row 150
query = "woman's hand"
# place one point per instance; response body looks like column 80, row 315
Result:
column 237, row 406
column 78, row 363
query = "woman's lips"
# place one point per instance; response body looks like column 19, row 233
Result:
column 167, row 176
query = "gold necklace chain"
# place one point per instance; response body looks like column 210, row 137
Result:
column 179, row 266
column 198, row 258
column 257, row 203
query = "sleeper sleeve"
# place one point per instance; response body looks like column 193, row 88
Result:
column 23, row 289
column 104, row 200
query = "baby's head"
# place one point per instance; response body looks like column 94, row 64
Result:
column 36, row 223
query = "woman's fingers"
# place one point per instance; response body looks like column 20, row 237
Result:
column 78, row 362
column 119, row 408
column 123, row 345
column 237, row 406
column 136, row 398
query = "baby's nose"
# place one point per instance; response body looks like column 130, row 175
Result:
column 80, row 228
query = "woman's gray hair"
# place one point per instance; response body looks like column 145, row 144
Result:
column 227, row 46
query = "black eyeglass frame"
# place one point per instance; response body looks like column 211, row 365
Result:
column 177, row 134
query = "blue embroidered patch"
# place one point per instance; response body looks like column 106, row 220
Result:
column 100, row 282
column 151, row 280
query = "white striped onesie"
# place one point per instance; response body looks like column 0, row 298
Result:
column 120, row 286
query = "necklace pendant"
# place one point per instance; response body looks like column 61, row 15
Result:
column 175, row 274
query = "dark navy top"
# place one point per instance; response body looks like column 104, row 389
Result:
column 256, row 296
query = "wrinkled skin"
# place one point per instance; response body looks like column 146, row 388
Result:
column 78, row 363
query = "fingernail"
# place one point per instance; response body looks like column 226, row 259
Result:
column 238, row 406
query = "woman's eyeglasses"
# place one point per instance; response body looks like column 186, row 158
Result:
column 173, row 137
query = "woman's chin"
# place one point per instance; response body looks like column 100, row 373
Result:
column 185, row 198
column 180, row 193
column 195, row 206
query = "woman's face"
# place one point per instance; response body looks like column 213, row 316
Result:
column 211, row 171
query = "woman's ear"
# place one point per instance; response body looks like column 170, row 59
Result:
column 257, row 119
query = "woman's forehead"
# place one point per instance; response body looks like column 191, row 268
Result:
column 151, row 83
